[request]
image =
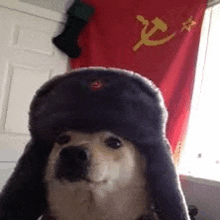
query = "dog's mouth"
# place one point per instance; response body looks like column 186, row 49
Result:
column 95, row 182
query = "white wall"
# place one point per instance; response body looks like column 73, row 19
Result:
column 205, row 195
column 54, row 5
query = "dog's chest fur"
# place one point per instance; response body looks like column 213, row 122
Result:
column 97, row 203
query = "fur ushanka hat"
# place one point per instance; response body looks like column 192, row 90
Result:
column 90, row 100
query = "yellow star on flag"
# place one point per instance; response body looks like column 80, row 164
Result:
column 188, row 24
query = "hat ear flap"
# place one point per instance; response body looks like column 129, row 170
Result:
column 164, row 184
column 23, row 196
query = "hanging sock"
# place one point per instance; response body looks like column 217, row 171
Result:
column 78, row 16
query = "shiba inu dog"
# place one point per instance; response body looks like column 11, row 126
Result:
column 96, row 176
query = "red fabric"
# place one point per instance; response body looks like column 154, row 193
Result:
column 109, row 39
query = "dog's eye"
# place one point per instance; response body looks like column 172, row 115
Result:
column 63, row 139
column 113, row 142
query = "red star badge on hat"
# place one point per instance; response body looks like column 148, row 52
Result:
column 96, row 85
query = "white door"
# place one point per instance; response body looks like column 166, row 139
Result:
column 50, row 9
column 27, row 59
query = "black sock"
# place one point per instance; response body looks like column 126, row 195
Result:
column 77, row 17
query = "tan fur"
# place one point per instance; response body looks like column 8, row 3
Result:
column 118, row 187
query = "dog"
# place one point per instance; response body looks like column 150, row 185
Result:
column 96, row 176
column 98, row 151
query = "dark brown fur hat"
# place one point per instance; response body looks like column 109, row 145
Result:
column 95, row 99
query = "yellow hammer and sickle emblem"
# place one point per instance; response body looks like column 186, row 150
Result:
column 158, row 25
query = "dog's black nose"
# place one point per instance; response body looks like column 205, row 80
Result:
column 76, row 154
column 73, row 163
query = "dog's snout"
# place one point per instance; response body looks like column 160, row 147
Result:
column 76, row 154
column 73, row 163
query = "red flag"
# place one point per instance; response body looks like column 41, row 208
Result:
column 158, row 39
